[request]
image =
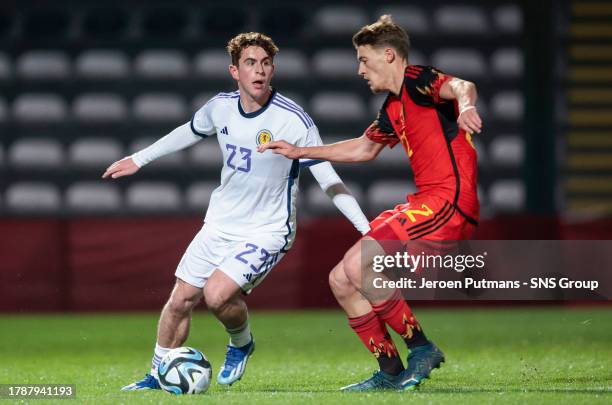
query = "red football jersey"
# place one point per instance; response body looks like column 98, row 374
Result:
column 442, row 156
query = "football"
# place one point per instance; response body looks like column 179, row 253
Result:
column 184, row 370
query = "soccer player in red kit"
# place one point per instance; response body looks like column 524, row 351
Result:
column 433, row 116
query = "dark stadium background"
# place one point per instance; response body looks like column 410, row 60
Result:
column 84, row 83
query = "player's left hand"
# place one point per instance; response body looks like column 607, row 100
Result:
column 282, row 148
column 470, row 121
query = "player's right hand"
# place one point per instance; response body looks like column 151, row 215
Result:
column 123, row 167
column 282, row 148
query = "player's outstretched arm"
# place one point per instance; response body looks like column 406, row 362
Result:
column 360, row 149
column 180, row 138
column 465, row 94
column 123, row 167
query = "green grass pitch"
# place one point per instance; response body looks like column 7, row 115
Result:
column 528, row 355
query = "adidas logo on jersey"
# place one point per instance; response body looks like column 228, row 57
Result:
column 224, row 131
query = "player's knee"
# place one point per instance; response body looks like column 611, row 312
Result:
column 180, row 305
column 215, row 301
column 352, row 266
column 339, row 283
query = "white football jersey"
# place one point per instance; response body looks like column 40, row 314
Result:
column 258, row 191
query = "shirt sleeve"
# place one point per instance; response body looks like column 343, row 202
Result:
column 179, row 138
column 202, row 123
column 381, row 130
column 423, row 84
column 310, row 138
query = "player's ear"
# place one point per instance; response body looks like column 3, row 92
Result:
column 390, row 55
column 233, row 69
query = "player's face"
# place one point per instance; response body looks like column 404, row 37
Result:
column 254, row 72
column 374, row 67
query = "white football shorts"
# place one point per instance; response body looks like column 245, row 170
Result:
column 246, row 261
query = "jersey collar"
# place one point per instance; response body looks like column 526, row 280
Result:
column 261, row 110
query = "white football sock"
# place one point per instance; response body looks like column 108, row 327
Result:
column 240, row 336
column 158, row 355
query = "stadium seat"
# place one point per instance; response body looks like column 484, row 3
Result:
column 335, row 63
column 206, row 153
column 162, row 64
column 43, row 64
column 298, row 99
column 376, row 103
column 99, row 108
column 153, row 196
column 507, row 62
column 412, row 18
column 462, row 62
column 339, row 20
column 6, row 23
column 212, row 64
column 105, row 23
column 102, row 64
column 481, row 150
column 93, row 196
column 283, row 21
column 483, row 109
column 200, row 99
column 224, row 21
column 507, row 150
column 39, row 108
column 318, row 201
column 386, row 194
column 508, row 18
column 36, row 153
column 4, row 114
column 417, row 57
column 485, row 208
column 6, row 70
column 160, row 107
column 176, row 159
column 507, row 105
column 46, row 23
column 461, row 19
column 507, row 195
column 95, row 152
column 32, row 197
column 291, row 64
column 165, row 22
column 197, row 195
column 338, row 106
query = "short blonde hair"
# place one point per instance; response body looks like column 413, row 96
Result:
column 246, row 39
column 384, row 32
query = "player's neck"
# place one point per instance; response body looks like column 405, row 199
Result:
column 397, row 77
column 250, row 104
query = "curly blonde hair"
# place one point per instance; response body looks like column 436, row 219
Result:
column 246, row 39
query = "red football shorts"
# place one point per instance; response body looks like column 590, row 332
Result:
column 422, row 217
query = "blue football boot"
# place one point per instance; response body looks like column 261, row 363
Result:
column 235, row 363
column 147, row 383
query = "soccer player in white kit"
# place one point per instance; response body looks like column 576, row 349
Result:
column 251, row 220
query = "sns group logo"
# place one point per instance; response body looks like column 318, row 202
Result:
column 264, row 136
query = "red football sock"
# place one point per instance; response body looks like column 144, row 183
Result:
column 374, row 335
column 396, row 313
